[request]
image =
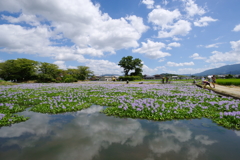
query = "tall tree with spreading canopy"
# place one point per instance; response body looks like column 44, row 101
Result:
column 128, row 64
column 21, row 69
column 48, row 72
column 83, row 72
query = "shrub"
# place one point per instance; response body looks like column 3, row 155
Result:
column 70, row 80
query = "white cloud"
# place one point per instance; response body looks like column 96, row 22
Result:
column 104, row 67
column 194, row 152
column 72, row 67
column 149, row 3
column 192, row 8
column 204, row 140
column 163, row 17
column 204, row 21
column 173, row 64
column 181, row 27
column 173, row 44
column 177, row 39
column 235, row 45
column 152, row 49
column 29, row 19
column 196, row 56
column 1, row 60
column 165, row 2
column 60, row 64
column 237, row 28
column 148, row 71
column 161, row 60
column 137, row 23
column 215, row 45
column 14, row 38
column 231, row 56
column 81, row 22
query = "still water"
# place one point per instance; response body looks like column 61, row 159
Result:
column 90, row 135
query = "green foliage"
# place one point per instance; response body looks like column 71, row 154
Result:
column 69, row 80
column 229, row 76
column 47, row 72
column 83, row 72
column 73, row 72
column 130, row 78
column 45, row 78
column 20, row 69
column 128, row 64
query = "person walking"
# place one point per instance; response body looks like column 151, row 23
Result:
column 213, row 80
column 203, row 80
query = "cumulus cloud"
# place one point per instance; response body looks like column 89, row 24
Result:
column 81, row 22
column 192, row 8
column 29, row 19
column 104, row 67
column 181, row 27
column 173, row 64
column 162, row 17
column 148, row 71
column 231, row 56
column 196, row 56
column 237, row 28
column 148, row 3
column 204, row 21
column 152, row 49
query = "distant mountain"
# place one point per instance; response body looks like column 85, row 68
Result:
column 228, row 69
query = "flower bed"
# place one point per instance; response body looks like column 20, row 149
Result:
column 148, row 101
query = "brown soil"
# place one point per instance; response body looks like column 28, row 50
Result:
column 232, row 91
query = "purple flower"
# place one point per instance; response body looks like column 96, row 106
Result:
column 1, row 116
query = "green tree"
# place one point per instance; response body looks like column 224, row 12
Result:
column 83, row 72
column 229, row 76
column 128, row 64
column 138, row 72
column 48, row 72
column 73, row 72
column 21, row 69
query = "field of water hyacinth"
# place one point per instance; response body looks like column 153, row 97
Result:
column 157, row 102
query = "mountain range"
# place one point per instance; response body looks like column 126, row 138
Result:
column 228, row 69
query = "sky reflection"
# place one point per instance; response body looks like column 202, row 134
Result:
column 88, row 135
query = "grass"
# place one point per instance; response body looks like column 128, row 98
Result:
column 2, row 82
column 235, row 82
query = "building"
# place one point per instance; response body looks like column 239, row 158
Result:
column 148, row 77
column 158, row 76
column 106, row 78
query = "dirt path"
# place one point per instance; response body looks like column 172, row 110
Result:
column 233, row 91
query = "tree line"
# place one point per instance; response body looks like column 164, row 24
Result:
column 23, row 69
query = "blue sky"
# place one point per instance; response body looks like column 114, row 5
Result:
column 169, row 36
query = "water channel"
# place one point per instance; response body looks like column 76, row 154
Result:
column 90, row 135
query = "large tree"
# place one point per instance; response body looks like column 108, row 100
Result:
column 83, row 72
column 21, row 69
column 128, row 64
column 48, row 72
